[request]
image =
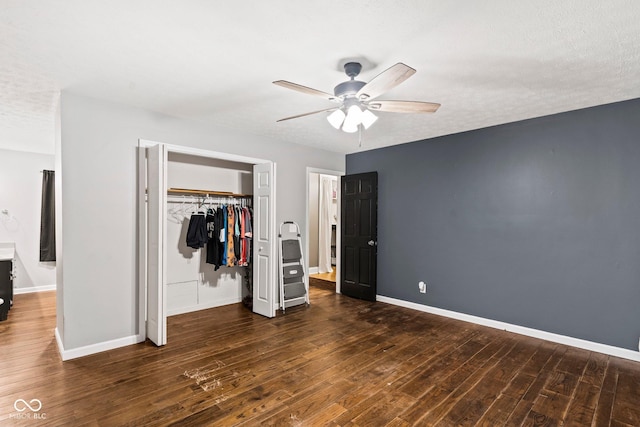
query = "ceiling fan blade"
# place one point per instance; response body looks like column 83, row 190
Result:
column 307, row 90
column 386, row 80
column 403, row 106
column 308, row 114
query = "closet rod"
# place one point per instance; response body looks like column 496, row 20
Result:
column 206, row 192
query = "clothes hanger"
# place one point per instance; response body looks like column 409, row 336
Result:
column 192, row 207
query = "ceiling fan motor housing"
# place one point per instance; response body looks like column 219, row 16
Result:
column 352, row 69
column 350, row 87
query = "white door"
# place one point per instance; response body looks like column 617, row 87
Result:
column 264, row 244
column 156, row 262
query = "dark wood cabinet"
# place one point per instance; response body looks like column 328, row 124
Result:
column 6, row 287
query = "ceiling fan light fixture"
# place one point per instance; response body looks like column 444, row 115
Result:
column 350, row 127
column 353, row 119
column 368, row 118
column 336, row 118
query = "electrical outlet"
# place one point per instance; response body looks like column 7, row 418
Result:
column 422, row 287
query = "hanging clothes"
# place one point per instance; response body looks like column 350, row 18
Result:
column 245, row 236
column 237, row 245
column 248, row 227
column 243, row 257
column 213, row 244
column 216, row 234
column 226, row 232
column 197, row 232
column 231, row 227
column 223, row 236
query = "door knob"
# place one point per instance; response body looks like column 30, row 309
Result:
column 371, row 243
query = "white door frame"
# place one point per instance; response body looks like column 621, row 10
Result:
column 142, row 229
column 337, row 174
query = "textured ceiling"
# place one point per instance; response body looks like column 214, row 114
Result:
column 487, row 63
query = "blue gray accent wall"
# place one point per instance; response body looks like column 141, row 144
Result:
column 534, row 223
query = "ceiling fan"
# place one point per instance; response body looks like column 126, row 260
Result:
column 357, row 99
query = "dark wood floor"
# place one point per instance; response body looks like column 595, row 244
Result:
column 338, row 362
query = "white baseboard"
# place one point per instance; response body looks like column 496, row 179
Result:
column 530, row 332
column 74, row 353
column 189, row 309
column 313, row 270
column 32, row 289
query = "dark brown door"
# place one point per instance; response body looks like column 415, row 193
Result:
column 359, row 235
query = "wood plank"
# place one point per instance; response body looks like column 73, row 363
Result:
column 602, row 415
column 583, row 405
column 595, row 369
column 626, row 406
column 561, row 382
column 498, row 412
column 574, row 361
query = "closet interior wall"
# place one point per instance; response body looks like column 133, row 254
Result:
column 191, row 283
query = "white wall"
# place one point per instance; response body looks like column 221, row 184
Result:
column 21, row 195
column 98, row 160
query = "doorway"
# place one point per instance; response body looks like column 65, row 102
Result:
column 323, row 228
column 359, row 236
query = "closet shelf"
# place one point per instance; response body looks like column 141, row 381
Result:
column 206, row 192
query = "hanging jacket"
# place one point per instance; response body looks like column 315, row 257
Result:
column 213, row 244
column 237, row 245
column 197, row 231
column 223, row 237
column 220, row 236
column 247, row 236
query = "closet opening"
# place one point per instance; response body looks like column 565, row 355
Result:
column 323, row 228
column 206, row 234
column 208, row 194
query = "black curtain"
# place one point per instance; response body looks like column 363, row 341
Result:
column 48, row 218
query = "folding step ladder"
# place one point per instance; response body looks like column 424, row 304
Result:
column 294, row 289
